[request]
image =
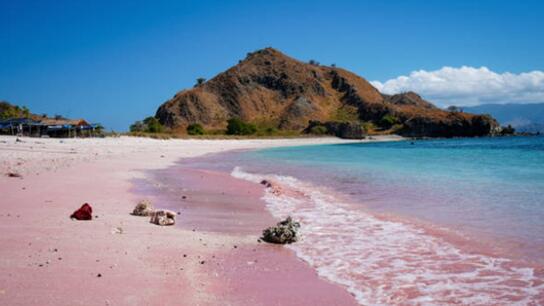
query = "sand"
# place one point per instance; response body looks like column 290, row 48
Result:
column 119, row 259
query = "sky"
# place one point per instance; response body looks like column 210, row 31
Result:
column 115, row 62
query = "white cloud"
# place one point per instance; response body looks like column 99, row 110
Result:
column 468, row 86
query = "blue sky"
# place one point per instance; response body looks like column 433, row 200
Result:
column 116, row 61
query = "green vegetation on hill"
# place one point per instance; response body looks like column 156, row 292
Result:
column 148, row 125
column 346, row 113
column 195, row 129
column 388, row 121
column 236, row 126
column 9, row 111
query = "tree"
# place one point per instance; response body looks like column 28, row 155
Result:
column 388, row 121
column 333, row 65
column 200, row 81
column 26, row 112
column 319, row 130
column 153, row 125
column 236, row 126
column 195, row 129
column 453, row 109
column 138, row 126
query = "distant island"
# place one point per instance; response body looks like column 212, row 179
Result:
column 525, row 118
column 269, row 92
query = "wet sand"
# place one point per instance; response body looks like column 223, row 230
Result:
column 119, row 259
column 244, row 270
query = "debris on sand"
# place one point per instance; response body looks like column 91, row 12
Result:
column 85, row 212
column 117, row 230
column 284, row 232
column 276, row 190
column 143, row 208
column 266, row 183
column 13, row 174
column 163, row 217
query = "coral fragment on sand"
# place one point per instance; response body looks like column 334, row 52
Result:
column 284, row 232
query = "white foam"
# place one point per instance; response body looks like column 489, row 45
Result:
column 384, row 262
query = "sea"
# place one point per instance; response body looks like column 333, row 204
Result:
column 414, row 222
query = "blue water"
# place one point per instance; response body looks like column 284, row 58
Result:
column 431, row 222
column 489, row 187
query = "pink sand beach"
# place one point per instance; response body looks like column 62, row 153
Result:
column 212, row 256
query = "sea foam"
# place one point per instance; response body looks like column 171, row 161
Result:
column 384, row 262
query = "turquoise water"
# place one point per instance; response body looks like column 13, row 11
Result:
column 493, row 187
column 434, row 222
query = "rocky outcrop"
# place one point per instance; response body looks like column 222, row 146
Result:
column 347, row 130
column 270, row 87
column 452, row 125
column 408, row 98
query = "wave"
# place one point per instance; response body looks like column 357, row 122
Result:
column 384, row 262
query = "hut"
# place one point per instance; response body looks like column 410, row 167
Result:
column 49, row 127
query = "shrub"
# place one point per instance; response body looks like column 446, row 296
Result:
column 26, row 112
column 236, row 126
column 271, row 130
column 195, row 129
column 388, row 121
column 318, row 130
column 138, row 126
column 153, row 125
column 368, row 126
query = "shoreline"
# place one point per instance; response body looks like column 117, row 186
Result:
column 51, row 260
column 474, row 257
column 228, row 215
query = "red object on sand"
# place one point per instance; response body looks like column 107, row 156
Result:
column 85, row 212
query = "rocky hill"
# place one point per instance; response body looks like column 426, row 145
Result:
column 268, row 87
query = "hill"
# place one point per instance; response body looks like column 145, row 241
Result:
column 8, row 111
column 523, row 117
column 272, row 89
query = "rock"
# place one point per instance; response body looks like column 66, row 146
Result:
column 143, row 208
column 13, row 174
column 117, row 230
column 163, row 217
column 266, row 183
column 85, row 212
column 284, row 232
column 452, row 125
